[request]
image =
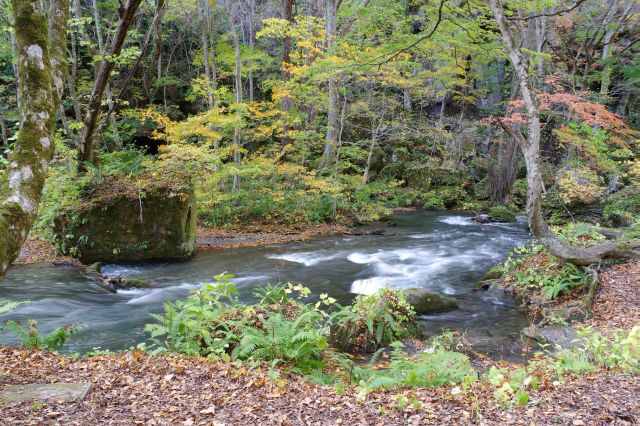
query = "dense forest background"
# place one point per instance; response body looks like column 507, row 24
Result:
column 301, row 112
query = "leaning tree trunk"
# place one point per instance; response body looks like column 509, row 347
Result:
column 40, row 63
column 85, row 150
column 531, row 151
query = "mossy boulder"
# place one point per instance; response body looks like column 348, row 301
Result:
column 501, row 214
column 494, row 273
column 124, row 226
column 427, row 302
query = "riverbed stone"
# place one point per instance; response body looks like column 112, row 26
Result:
column 157, row 223
column 427, row 302
column 44, row 391
column 562, row 336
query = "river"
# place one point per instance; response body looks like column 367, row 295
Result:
column 438, row 251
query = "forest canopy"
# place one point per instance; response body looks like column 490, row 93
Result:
column 299, row 112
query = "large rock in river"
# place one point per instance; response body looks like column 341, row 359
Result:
column 120, row 224
column 426, row 302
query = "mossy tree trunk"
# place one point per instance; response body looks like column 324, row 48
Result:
column 41, row 61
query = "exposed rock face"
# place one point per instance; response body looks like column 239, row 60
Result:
column 160, row 224
column 426, row 302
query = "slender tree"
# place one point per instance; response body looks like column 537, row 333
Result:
column 530, row 147
column 237, row 132
column 85, row 149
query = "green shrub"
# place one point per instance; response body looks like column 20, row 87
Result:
column 511, row 386
column 30, row 336
column 579, row 234
column 620, row 351
column 623, row 207
column 534, row 269
column 433, row 202
column 434, row 367
column 445, row 196
column 213, row 323
column 298, row 342
column 8, row 306
column 519, row 192
column 373, row 321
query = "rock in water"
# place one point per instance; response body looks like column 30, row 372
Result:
column 483, row 218
column 426, row 302
column 125, row 225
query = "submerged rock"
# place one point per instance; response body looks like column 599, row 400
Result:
column 426, row 302
column 124, row 226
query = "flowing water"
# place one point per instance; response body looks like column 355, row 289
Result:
column 432, row 250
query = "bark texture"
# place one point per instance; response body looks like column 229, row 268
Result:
column 40, row 67
column 85, row 150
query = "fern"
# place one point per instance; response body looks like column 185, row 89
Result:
column 30, row 336
column 373, row 322
column 8, row 306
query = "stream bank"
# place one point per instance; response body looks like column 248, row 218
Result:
column 132, row 387
column 434, row 251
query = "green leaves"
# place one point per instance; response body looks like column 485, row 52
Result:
column 373, row 321
column 31, row 337
column 8, row 306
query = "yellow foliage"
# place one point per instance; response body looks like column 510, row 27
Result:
column 580, row 185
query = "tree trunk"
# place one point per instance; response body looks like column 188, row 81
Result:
column 531, row 150
column 4, row 133
column 157, row 51
column 612, row 30
column 406, row 100
column 331, row 138
column 14, row 65
column 40, row 69
column 237, row 132
column 287, row 103
column 98, row 25
column 204, row 40
column 85, row 150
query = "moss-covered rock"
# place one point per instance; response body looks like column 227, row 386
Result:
column 501, row 214
column 494, row 273
column 153, row 223
column 426, row 302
